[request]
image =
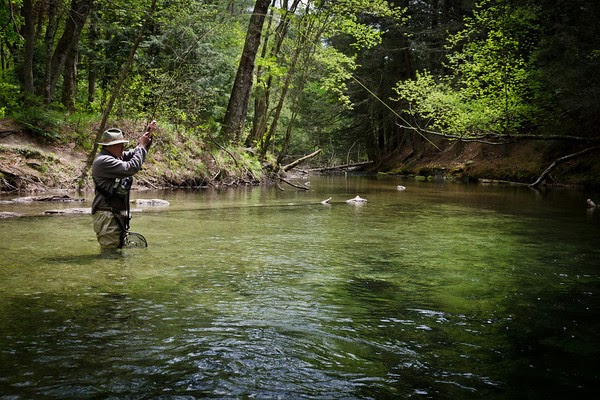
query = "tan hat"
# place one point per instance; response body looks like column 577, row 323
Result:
column 112, row 136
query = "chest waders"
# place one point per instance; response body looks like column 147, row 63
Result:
column 118, row 199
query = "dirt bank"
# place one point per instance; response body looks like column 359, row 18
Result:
column 521, row 162
column 30, row 164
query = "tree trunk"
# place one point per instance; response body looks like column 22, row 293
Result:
column 288, row 134
column 300, row 160
column 70, row 81
column 28, row 33
column 237, row 108
column 261, row 96
column 261, row 106
column 51, row 27
column 286, row 85
column 301, row 47
column 67, row 43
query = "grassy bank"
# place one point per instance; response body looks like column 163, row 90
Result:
column 30, row 161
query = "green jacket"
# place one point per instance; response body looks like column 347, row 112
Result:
column 107, row 168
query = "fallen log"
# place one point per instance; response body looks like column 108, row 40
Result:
column 294, row 185
column 9, row 214
column 343, row 166
column 151, row 202
column 70, row 211
column 300, row 160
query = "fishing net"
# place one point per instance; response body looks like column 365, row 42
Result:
column 133, row 239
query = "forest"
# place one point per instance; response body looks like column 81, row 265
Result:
column 243, row 88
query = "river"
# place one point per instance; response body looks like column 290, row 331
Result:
column 439, row 291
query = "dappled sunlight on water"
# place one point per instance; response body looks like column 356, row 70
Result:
column 439, row 291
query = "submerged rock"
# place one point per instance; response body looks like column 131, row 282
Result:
column 9, row 214
column 152, row 202
column 70, row 211
column 356, row 200
column 591, row 204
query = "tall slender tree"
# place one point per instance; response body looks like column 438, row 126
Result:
column 237, row 109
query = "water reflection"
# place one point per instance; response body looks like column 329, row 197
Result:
column 438, row 291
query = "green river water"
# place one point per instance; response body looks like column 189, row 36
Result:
column 441, row 291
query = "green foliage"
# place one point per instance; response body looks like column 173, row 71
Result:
column 505, row 63
column 338, row 69
column 321, row 118
column 348, row 16
column 436, row 102
column 249, row 164
column 490, row 86
column 185, row 66
column 9, row 95
column 42, row 122
column 568, row 64
column 79, row 129
column 10, row 21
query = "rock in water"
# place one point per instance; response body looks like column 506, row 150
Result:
column 356, row 200
column 152, row 202
column 590, row 203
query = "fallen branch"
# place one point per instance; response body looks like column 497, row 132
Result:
column 343, row 166
column 560, row 161
column 294, row 185
column 300, row 160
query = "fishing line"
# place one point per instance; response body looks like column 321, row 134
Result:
column 307, row 40
column 180, row 60
column 394, row 112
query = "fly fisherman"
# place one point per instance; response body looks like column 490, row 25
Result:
column 113, row 171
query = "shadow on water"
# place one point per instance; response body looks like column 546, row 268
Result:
column 439, row 291
column 92, row 259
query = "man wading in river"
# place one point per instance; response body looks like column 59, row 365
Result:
column 113, row 171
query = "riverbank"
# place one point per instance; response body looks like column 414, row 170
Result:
column 177, row 160
column 515, row 163
column 29, row 163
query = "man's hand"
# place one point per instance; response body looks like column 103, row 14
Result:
column 151, row 126
column 146, row 138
